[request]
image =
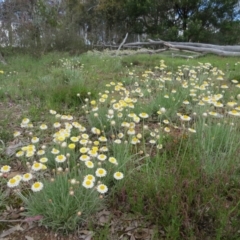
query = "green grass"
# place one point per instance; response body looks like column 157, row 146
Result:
column 186, row 189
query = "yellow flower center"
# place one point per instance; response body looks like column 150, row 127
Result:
column 88, row 182
column 12, row 180
column 36, row 185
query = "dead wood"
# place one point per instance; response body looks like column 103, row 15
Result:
column 124, row 40
column 203, row 48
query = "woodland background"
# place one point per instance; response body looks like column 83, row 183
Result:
column 74, row 24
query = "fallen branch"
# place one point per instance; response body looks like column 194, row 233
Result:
column 124, row 40
column 28, row 219
column 10, row 231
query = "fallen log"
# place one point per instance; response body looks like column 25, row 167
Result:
column 233, row 48
column 220, row 50
column 144, row 43
column 205, row 50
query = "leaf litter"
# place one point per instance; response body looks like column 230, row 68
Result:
column 125, row 227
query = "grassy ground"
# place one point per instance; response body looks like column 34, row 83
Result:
column 168, row 126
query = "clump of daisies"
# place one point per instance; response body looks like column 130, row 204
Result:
column 18, row 179
column 71, row 149
column 79, row 160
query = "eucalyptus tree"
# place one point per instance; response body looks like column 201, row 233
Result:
column 184, row 20
column 204, row 21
